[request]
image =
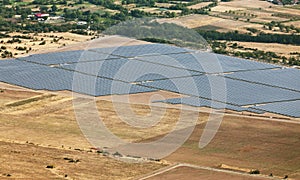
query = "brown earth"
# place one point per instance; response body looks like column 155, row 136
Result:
column 271, row 147
column 48, row 122
column 28, row 161
column 182, row 173
column 65, row 39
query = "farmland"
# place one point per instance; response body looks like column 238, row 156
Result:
column 40, row 134
column 269, row 146
column 243, row 17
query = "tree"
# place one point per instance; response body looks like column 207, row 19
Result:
column 54, row 8
column 6, row 2
column 44, row 8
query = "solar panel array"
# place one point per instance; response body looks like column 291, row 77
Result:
column 284, row 78
column 210, row 80
column 66, row 57
column 206, row 62
column 199, row 102
column 40, row 77
column 11, row 65
column 36, row 76
column 128, row 70
column 216, row 87
column 142, row 50
column 290, row 108
column 96, row 86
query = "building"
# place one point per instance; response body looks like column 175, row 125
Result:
column 81, row 23
column 41, row 15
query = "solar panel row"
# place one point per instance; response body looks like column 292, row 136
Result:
column 284, row 78
column 66, row 57
column 199, row 102
column 289, row 108
column 160, row 54
column 206, row 62
column 41, row 77
column 142, row 50
column 10, row 65
column 224, row 90
column 128, row 70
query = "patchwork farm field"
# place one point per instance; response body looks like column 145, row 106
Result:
column 248, row 17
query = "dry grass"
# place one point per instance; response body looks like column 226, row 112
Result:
column 27, row 161
column 271, row 147
column 209, row 22
column 193, row 21
column 199, row 5
column 161, row 123
column 156, row 10
column 50, row 122
column 223, row 8
column 64, row 40
column 245, row 4
column 182, row 173
column 295, row 23
column 280, row 49
column 163, row 5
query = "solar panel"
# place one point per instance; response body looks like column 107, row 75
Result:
column 14, row 65
column 285, row 78
column 40, row 77
column 96, row 86
column 153, row 67
column 289, row 108
column 142, row 50
column 66, row 57
column 231, row 64
column 224, row 90
column 207, row 62
column 128, row 70
column 199, row 102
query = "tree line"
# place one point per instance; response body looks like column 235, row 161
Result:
column 262, row 37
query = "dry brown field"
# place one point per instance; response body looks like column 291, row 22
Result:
column 39, row 128
column 199, row 5
column 280, row 49
column 212, row 23
column 251, row 14
column 271, row 147
column 184, row 172
column 65, row 39
column 29, row 161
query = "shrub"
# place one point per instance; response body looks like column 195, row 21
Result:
column 256, row 171
column 43, row 43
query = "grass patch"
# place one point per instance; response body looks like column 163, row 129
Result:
column 29, row 100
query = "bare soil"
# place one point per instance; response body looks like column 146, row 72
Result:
column 48, row 122
column 271, row 147
column 29, row 161
column 53, row 41
column 182, row 173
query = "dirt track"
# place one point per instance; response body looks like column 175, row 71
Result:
column 188, row 171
